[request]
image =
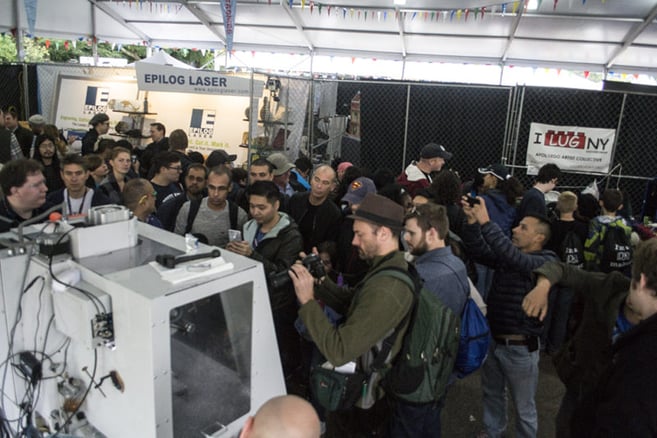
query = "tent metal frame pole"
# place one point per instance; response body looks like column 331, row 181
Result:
column 18, row 11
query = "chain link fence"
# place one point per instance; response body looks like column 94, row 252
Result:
column 632, row 115
column 13, row 80
column 384, row 124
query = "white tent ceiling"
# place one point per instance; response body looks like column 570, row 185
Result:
column 591, row 35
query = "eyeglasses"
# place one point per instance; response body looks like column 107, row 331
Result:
column 176, row 168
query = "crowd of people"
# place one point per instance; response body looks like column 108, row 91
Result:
column 566, row 278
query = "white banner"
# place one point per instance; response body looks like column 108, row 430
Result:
column 210, row 121
column 154, row 77
column 572, row 148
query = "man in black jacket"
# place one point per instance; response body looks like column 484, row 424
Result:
column 317, row 216
column 24, row 136
column 513, row 356
column 99, row 126
column 273, row 239
column 608, row 365
column 24, row 188
column 76, row 196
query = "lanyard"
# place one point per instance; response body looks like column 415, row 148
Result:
column 68, row 202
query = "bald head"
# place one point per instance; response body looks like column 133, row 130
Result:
column 284, row 416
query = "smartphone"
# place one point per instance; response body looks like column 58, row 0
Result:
column 472, row 201
column 234, row 235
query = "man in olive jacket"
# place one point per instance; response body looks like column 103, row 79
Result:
column 373, row 309
column 608, row 365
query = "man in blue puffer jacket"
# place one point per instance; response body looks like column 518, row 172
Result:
column 514, row 354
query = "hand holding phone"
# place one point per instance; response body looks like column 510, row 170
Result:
column 234, row 235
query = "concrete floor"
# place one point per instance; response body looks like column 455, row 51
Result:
column 461, row 416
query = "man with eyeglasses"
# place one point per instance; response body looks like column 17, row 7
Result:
column 212, row 217
column 167, row 173
column 195, row 182
column 24, row 188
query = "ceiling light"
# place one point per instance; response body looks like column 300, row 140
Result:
column 532, row 5
column 399, row 2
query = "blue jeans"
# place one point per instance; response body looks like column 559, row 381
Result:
column 514, row 367
column 484, row 280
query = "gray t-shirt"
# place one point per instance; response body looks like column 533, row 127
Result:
column 212, row 224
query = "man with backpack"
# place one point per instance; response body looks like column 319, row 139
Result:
column 608, row 246
column 373, row 310
column 567, row 241
column 514, row 353
column 214, row 215
column 445, row 275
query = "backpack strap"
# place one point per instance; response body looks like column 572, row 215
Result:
column 415, row 286
column 194, row 205
column 232, row 215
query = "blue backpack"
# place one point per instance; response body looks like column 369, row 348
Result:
column 474, row 341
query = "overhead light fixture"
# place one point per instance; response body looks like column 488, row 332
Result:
column 399, row 2
column 532, row 5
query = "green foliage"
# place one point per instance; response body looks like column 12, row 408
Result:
column 56, row 50
column 34, row 51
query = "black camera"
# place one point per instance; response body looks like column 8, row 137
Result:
column 472, row 201
column 312, row 262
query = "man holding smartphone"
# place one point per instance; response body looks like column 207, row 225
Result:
column 514, row 353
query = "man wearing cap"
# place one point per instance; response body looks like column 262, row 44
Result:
column 418, row 174
column 99, row 126
column 37, row 122
column 372, row 311
column 218, row 157
column 317, row 216
column 282, row 167
column 350, row 265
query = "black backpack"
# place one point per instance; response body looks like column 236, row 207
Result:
column 571, row 250
column 195, row 204
column 616, row 249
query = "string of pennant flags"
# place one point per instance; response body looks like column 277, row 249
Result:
column 380, row 14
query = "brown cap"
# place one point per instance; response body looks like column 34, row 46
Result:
column 379, row 210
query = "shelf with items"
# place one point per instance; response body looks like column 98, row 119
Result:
column 270, row 132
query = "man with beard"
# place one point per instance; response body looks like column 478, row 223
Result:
column 195, row 181
column 445, row 275
column 214, row 215
column 372, row 309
